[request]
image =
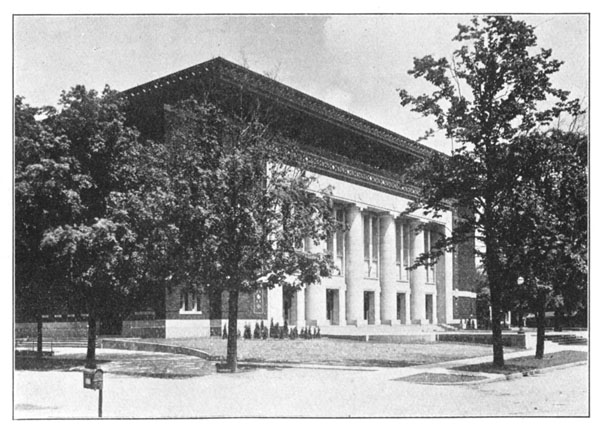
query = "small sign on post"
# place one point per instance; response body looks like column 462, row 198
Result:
column 93, row 379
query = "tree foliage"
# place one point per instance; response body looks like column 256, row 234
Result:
column 88, row 205
column 547, row 241
column 494, row 90
column 242, row 213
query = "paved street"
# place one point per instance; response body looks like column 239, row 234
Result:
column 298, row 392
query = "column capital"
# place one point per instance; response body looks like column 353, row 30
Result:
column 361, row 207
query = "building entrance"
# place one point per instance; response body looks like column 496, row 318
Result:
column 369, row 305
column 401, row 308
column 333, row 306
column 429, row 308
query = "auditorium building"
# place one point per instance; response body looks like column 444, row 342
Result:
column 364, row 165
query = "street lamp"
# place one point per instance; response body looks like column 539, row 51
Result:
column 520, row 282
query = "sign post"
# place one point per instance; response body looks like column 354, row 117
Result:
column 93, row 379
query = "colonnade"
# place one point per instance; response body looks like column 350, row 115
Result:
column 355, row 299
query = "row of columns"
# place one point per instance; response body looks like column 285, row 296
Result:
column 311, row 302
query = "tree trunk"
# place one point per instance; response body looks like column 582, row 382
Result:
column 90, row 360
column 541, row 327
column 557, row 320
column 232, row 330
column 40, row 337
column 497, row 344
column 495, row 279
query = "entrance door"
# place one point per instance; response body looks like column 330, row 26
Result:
column 429, row 308
column 333, row 306
column 369, row 307
column 330, row 297
column 401, row 308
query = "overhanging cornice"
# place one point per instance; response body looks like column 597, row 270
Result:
column 253, row 82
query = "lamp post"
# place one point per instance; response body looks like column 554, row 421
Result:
column 520, row 282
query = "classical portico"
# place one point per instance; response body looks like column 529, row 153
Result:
column 374, row 286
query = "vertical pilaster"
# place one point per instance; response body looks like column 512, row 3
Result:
column 407, row 306
column 388, row 270
column 342, row 305
column 449, row 285
column 354, row 266
column 417, row 277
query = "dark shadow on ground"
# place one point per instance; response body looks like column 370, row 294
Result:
column 528, row 363
column 50, row 363
column 383, row 363
column 438, row 378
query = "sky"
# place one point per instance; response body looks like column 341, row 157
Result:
column 354, row 62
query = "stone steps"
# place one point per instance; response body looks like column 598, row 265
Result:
column 567, row 339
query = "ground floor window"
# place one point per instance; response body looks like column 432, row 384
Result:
column 188, row 302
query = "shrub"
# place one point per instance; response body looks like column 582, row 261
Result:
column 256, row 331
column 247, row 332
column 286, row 330
column 225, row 332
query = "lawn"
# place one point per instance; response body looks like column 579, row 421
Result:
column 159, row 365
column 528, row 363
column 335, row 352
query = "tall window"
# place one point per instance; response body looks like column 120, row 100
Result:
column 336, row 242
column 188, row 302
column 371, row 241
column 402, row 250
column 428, row 238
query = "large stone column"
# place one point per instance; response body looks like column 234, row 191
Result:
column 417, row 277
column 388, row 270
column 315, row 300
column 299, row 305
column 354, row 266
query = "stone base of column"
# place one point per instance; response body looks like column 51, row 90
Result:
column 392, row 322
column 419, row 322
column 357, row 323
column 319, row 323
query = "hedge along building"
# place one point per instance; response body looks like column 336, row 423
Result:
column 363, row 164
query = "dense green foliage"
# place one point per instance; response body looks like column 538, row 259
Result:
column 241, row 212
column 493, row 92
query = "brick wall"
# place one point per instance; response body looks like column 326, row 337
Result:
column 464, row 271
column 144, row 328
column 60, row 330
column 247, row 307
column 464, row 307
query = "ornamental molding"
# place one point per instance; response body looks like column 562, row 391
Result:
column 253, row 82
column 342, row 168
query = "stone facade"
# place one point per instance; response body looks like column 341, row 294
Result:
column 372, row 285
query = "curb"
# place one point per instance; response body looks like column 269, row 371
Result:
column 537, row 371
column 306, row 366
column 153, row 347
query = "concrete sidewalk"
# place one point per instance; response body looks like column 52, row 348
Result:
column 297, row 393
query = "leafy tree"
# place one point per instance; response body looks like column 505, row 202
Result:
column 242, row 213
column 100, row 193
column 46, row 192
column 547, row 241
column 493, row 90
